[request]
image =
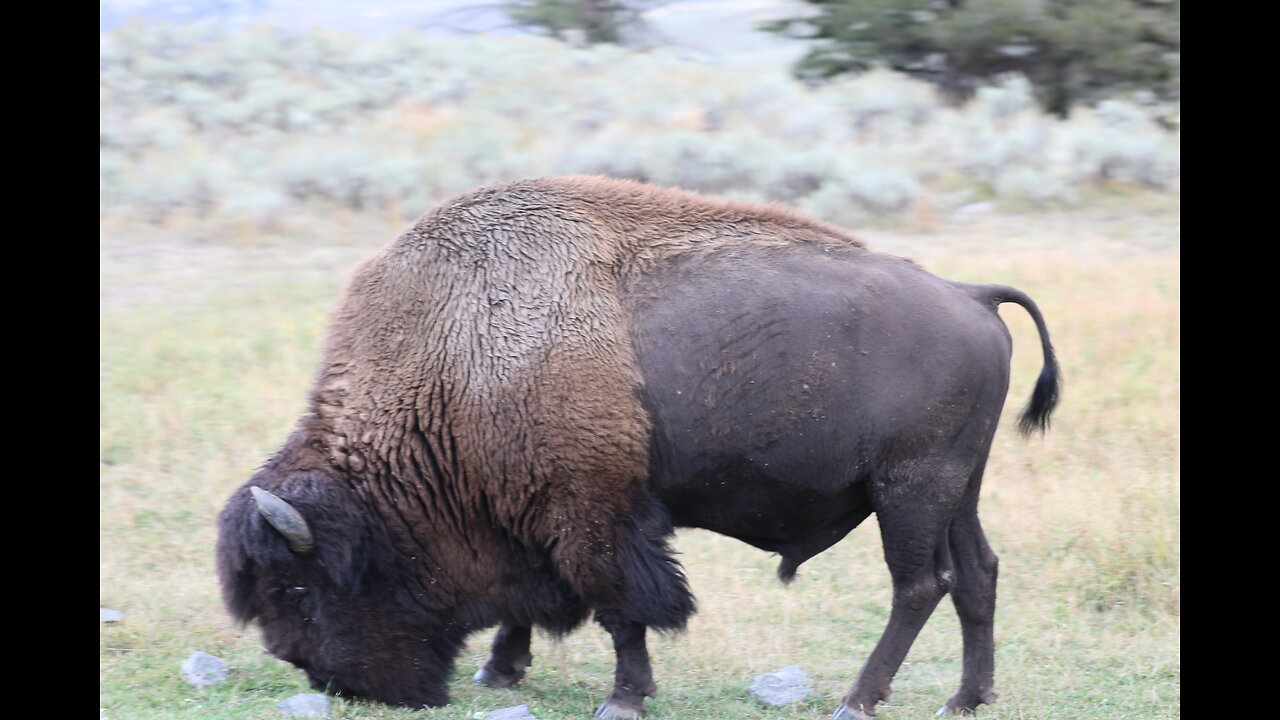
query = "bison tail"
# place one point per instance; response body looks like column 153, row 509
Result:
column 1044, row 398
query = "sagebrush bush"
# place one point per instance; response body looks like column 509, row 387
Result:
column 242, row 122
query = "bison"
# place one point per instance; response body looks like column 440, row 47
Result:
column 526, row 392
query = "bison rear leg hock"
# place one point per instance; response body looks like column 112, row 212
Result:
column 508, row 658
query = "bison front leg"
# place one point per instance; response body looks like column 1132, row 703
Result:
column 508, row 658
column 633, row 676
column 654, row 595
column 625, row 573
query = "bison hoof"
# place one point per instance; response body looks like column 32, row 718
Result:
column 845, row 712
column 494, row 679
column 964, row 703
column 613, row 711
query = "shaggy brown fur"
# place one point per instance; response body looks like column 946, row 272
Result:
column 500, row 289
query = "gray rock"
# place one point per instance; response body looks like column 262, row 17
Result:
column 306, row 705
column 519, row 712
column 788, row 685
column 973, row 210
column 203, row 669
column 109, row 615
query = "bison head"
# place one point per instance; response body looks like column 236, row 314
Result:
column 335, row 594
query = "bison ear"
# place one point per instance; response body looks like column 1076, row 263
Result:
column 285, row 519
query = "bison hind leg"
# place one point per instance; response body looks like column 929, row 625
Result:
column 916, row 510
column 974, row 596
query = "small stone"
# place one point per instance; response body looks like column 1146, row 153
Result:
column 518, row 712
column 788, row 685
column 306, row 705
column 203, row 669
column 109, row 615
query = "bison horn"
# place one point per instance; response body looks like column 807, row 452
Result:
column 285, row 519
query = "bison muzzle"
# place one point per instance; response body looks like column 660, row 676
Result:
column 525, row 393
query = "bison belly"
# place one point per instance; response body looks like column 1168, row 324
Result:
column 779, row 386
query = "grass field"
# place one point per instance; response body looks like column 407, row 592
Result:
column 209, row 336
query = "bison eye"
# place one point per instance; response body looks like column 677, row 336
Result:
column 305, row 602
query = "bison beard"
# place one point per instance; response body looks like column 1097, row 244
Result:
column 527, row 391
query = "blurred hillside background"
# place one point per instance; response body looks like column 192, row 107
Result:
column 246, row 112
column 253, row 150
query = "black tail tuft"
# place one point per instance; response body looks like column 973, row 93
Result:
column 1035, row 416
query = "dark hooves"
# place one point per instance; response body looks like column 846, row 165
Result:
column 847, row 713
column 493, row 679
column 613, row 711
